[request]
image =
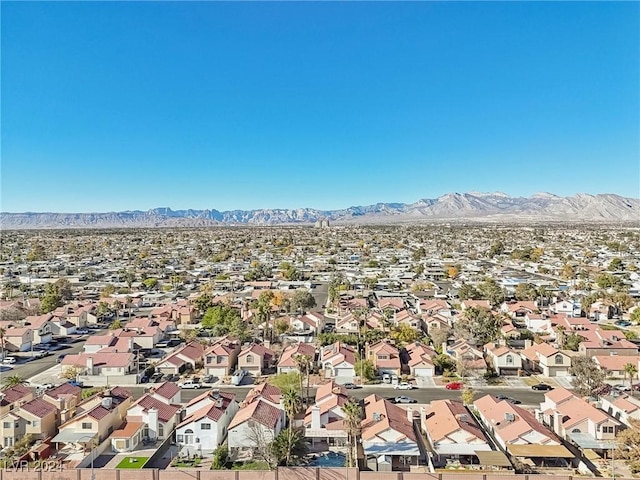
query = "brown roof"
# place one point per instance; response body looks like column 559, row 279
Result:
column 13, row 394
column 128, row 431
column 391, row 417
column 63, row 389
column 39, row 408
column 165, row 411
column 259, row 411
column 212, row 410
column 167, row 390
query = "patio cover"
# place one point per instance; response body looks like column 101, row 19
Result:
column 540, row 451
column 584, row 440
column 494, row 459
column 69, row 436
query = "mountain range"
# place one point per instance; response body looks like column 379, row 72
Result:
column 452, row 207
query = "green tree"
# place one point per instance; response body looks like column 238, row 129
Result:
column 588, row 376
column 635, row 315
column 220, row 457
column 468, row 292
column 221, row 318
column 286, row 381
column 615, row 265
column 291, row 404
column 302, row 300
column 631, row 370
column 496, row 248
column 305, row 367
column 289, row 272
column 526, row 291
column 479, row 326
column 116, row 324
column 490, row 290
column 444, row 362
column 628, row 445
column 108, row 290
column 52, row 299
column 404, row 334
column 352, row 423
column 573, row 341
column 289, row 447
column 467, row 395
column 365, row 369
column 150, row 283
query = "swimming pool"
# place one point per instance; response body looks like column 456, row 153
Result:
column 330, row 459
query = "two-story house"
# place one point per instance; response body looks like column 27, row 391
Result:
column 288, row 360
column 338, row 361
column 255, row 358
column 542, row 357
column 36, row 418
column 505, row 361
column 221, row 357
column 384, row 356
column 323, row 420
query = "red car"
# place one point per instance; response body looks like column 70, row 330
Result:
column 454, row 386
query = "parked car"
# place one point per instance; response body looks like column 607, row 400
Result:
column 61, row 357
column 622, row 388
column 405, row 399
column 386, row 378
column 9, row 360
column 542, row 386
column 190, row 384
column 454, row 386
column 237, row 377
column 75, row 383
column 404, row 386
column 44, row 386
column 82, row 331
column 350, row 386
column 144, row 379
column 623, row 323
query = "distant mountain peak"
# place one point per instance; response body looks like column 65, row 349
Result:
column 451, row 207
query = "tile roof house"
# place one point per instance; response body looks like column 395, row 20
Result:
column 104, row 367
column 452, row 431
column 622, row 407
column 158, row 416
column 420, row 359
column 338, row 361
column 221, row 357
column 41, row 325
column 287, row 361
column 606, row 342
column 388, row 437
column 504, row 360
column 578, row 421
column 167, row 392
column 208, row 420
column 13, row 397
column 65, row 397
column 36, row 417
column 255, row 358
column 471, row 358
column 615, row 365
column 182, row 359
column 324, row 419
column 547, row 359
column 18, row 339
column 384, row 356
column 346, row 322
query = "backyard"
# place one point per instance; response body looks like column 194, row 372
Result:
column 132, row 462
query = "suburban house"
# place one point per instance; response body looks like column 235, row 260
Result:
column 287, row 362
column 221, row 357
column 18, row 339
column 578, row 421
column 384, row 356
column 347, row 323
column 323, row 420
column 503, row 359
column 255, row 358
column 538, row 323
column 65, row 398
column 338, row 361
column 207, row 421
column 420, row 359
column 95, row 343
column 615, row 365
column 36, row 417
column 518, row 310
column 158, row 417
column 465, row 304
column 96, row 418
column 182, row 359
column 621, row 407
column 167, row 392
column 468, row 357
column 104, row 368
column 542, row 357
column 13, row 397
column 128, row 437
column 256, row 423
column 74, row 314
column 389, row 440
column 452, row 432
column 565, row 307
column 41, row 328
column 606, row 342
column 519, row 433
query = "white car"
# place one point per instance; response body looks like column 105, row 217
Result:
column 9, row 360
column 404, row 386
column 622, row 388
column 82, row 331
column 190, row 384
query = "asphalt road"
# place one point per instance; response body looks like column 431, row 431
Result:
column 528, row 397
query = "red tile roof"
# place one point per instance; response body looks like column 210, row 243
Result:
column 39, row 408
column 167, row 390
column 165, row 411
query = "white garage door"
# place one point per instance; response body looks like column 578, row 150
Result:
column 423, row 372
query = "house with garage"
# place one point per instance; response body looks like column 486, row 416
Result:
column 606, row 342
column 453, row 434
column 158, row 417
column 13, row 397
column 615, row 365
column 287, row 361
column 419, row 359
column 337, row 361
column 184, row 358
column 622, row 407
column 36, row 417
column 384, row 356
column 221, row 357
column 347, row 323
column 544, row 358
column 504, row 360
column 18, row 339
column 323, row 421
column 255, row 358
column 65, row 398
column 41, row 328
column 207, row 421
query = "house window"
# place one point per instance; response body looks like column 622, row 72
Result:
column 607, row 429
column 509, row 359
column 220, row 358
column 559, row 359
column 180, row 438
column 249, row 358
column 209, row 359
column 205, row 426
column 8, row 441
column 86, row 425
column 36, row 423
column 160, row 430
column 6, row 424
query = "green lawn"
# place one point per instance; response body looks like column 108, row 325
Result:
column 133, row 462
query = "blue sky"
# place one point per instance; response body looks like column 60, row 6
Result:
column 124, row 105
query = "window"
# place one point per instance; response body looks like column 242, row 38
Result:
column 180, row 438
column 220, row 359
column 509, row 359
column 607, row 429
column 6, row 424
column 209, row 359
column 86, row 425
column 8, row 441
column 249, row 358
column 160, row 430
column 36, row 423
column 205, row 426
column 559, row 359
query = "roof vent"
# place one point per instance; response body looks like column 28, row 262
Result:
column 377, row 417
column 509, row 417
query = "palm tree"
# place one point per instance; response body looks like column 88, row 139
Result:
column 3, row 331
column 14, row 380
column 304, row 363
column 352, row 422
column 117, row 305
column 291, row 404
column 631, row 370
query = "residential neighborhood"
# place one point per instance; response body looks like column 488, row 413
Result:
column 419, row 350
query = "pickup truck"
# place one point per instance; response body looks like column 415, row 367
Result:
column 190, row 384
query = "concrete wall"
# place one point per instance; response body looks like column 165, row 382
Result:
column 300, row 473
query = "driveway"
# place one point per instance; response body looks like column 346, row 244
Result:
column 425, row 382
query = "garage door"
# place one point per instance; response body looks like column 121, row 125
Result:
column 423, row 372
